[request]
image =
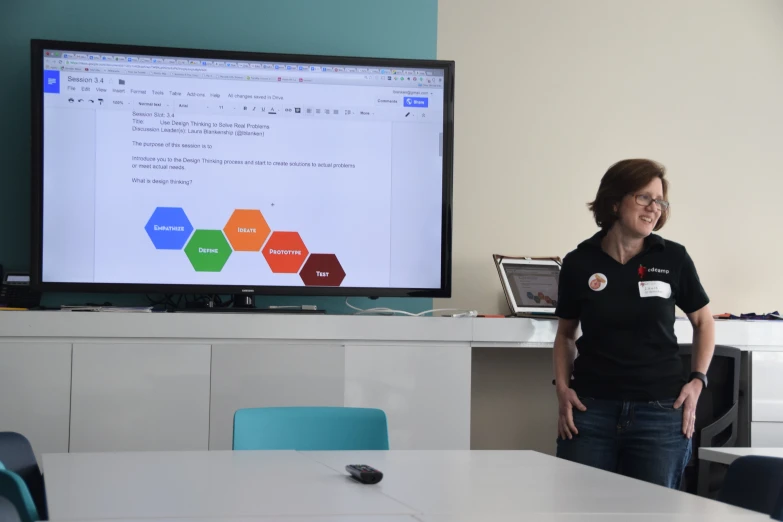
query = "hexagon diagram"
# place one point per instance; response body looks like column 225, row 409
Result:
column 285, row 252
column 246, row 230
column 322, row 270
column 169, row 228
column 208, row 250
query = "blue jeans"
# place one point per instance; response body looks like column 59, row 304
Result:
column 643, row 440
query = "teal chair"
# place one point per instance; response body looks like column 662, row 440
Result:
column 14, row 489
column 310, row 429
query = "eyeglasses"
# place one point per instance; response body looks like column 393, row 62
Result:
column 645, row 200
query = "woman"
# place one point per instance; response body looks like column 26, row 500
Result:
column 624, row 404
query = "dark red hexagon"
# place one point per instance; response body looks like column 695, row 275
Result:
column 322, row 270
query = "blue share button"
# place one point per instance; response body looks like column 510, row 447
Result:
column 412, row 101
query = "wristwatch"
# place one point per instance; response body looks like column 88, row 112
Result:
column 700, row 376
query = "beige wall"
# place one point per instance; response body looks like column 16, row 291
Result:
column 550, row 93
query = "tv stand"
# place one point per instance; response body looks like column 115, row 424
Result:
column 243, row 303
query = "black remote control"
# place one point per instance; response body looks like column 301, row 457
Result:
column 364, row 473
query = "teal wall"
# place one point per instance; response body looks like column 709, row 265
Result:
column 382, row 28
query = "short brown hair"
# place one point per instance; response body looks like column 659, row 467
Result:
column 623, row 178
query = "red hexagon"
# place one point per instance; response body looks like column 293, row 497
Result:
column 285, row 252
column 322, row 270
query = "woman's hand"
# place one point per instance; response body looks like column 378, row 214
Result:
column 689, row 396
column 567, row 399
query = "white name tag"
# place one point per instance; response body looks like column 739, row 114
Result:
column 655, row 289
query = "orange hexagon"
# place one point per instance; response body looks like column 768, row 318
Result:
column 246, row 230
column 285, row 252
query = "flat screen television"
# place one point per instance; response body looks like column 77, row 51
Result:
column 218, row 172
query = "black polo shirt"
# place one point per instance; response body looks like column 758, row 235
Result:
column 628, row 350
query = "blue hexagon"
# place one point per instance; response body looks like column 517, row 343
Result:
column 169, row 228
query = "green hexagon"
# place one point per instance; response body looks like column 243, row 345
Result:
column 208, row 250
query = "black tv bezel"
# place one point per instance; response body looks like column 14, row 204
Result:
column 37, row 47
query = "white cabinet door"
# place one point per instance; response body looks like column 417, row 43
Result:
column 35, row 390
column 140, row 396
column 423, row 388
column 766, row 434
column 271, row 374
column 767, row 389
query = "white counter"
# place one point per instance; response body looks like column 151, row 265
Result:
column 225, row 326
column 528, row 333
column 85, row 381
column 494, row 332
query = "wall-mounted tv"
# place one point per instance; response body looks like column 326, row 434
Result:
column 219, row 172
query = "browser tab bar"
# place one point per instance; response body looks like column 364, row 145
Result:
column 174, row 67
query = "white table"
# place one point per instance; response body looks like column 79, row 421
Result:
column 508, row 483
column 435, row 486
column 588, row 517
column 729, row 455
column 537, row 517
column 203, row 484
column 276, row 518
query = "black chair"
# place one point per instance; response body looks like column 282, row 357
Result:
column 17, row 455
column 777, row 511
column 754, row 482
column 717, row 417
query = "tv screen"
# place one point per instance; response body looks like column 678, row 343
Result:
column 204, row 171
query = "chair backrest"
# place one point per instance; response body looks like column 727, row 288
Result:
column 723, row 390
column 777, row 511
column 17, row 455
column 310, row 428
column 14, row 490
column 753, row 482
